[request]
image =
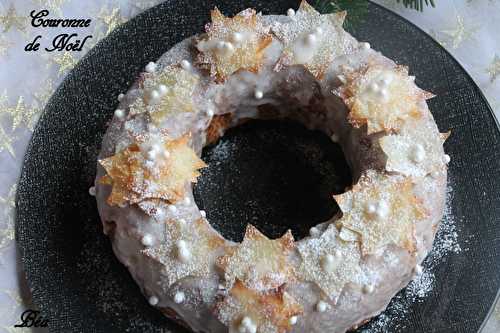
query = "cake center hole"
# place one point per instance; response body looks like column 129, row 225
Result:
column 275, row 175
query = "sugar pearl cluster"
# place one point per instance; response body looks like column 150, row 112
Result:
column 377, row 210
column 379, row 87
column 247, row 325
column 183, row 252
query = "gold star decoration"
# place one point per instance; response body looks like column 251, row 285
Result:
column 111, row 19
column 6, row 142
column 65, row 62
column 200, row 241
column 12, row 20
column 259, row 262
column 53, row 5
column 5, row 45
column 383, row 210
column 343, row 253
column 19, row 114
column 134, row 178
column 311, row 39
column 494, row 68
column 233, row 43
column 248, row 310
column 454, row 37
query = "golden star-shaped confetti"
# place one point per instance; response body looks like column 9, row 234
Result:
column 494, row 68
column 248, row 310
column 343, row 257
column 259, row 262
column 53, row 5
column 6, row 142
column 111, row 19
column 233, row 43
column 65, row 62
column 383, row 210
column 19, row 114
column 311, row 39
column 458, row 34
column 12, row 20
column 5, row 45
column 382, row 98
column 135, row 177
column 201, row 243
column 7, row 204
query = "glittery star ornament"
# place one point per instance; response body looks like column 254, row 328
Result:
column 200, row 240
column 5, row 45
column 268, row 312
column 65, row 62
column 345, row 252
column 133, row 180
column 53, row 5
column 259, row 262
column 232, row 44
column 383, row 99
column 383, row 210
column 12, row 20
column 311, row 39
column 111, row 19
column 494, row 68
column 459, row 33
column 180, row 84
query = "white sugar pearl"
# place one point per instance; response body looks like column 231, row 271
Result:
column 321, row 306
column 153, row 300
column 172, row 209
column 182, row 221
column 166, row 153
column 334, row 137
column 337, row 254
column 160, row 213
column 119, row 113
column 258, row 94
column 290, row 12
column 247, row 326
column 120, row 97
column 179, row 297
column 384, row 94
column 186, row 201
column 154, row 95
column 183, row 253
column 371, row 208
column 435, row 174
column 92, row 191
column 236, row 37
column 318, row 30
column 151, row 155
column 374, row 87
column 327, row 263
column 364, row 45
column 185, row 64
column 228, row 48
column 418, row 154
column 311, row 39
column 147, row 240
column 368, row 288
column 314, row 231
column 293, row 320
column 386, row 80
column 418, row 269
column 210, row 112
column 151, row 67
column 382, row 210
column 203, row 213
column 162, row 89
column 446, row 158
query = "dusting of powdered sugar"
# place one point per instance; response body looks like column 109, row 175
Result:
column 445, row 244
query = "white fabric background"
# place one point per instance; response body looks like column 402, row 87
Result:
column 467, row 28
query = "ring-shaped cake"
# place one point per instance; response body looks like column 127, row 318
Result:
column 304, row 67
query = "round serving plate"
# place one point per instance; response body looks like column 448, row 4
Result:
column 80, row 286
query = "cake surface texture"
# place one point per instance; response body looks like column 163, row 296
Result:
column 301, row 66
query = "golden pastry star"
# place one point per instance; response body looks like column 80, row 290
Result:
column 383, row 210
column 267, row 312
column 133, row 180
column 382, row 98
column 259, row 262
column 66, row 61
column 311, row 39
column 181, row 85
column 12, row 19
column 344, row 255
column 111, row 19
column 494, row 68
column 200, row 241
column 231, row 44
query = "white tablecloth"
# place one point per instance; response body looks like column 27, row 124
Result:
column 469, row 29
